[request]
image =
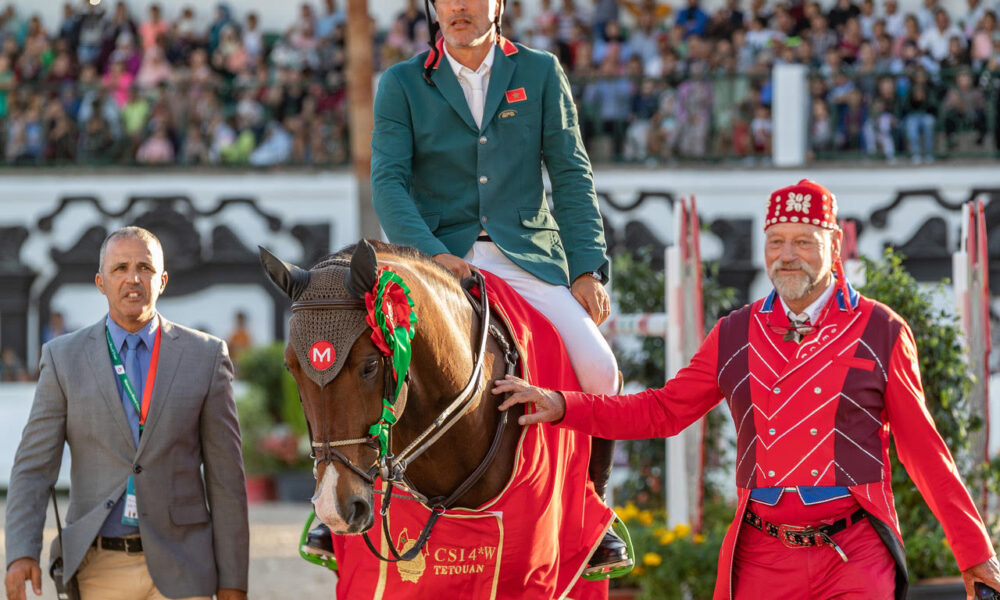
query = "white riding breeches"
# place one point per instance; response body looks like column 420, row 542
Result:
column 593, row 362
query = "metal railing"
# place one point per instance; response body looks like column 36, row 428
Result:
column 727, row 118
column 911, row 115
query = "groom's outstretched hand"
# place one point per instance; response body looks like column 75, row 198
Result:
column 549, row 405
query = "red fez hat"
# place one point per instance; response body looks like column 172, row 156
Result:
column 805, row 202
column 809, row 203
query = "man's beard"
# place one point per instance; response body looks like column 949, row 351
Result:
column 793, row 286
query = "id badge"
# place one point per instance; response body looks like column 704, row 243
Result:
column 130, row 516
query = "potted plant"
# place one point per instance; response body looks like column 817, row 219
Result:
column 284, row 441
column 255, row 422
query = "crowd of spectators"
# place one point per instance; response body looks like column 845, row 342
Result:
column 112, row 87
column 689, row 83
column 653, row 81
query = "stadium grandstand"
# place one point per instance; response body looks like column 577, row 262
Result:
column 226, row 126
column 656, row 82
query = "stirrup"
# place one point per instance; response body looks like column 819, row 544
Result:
column 330, row 562
column 611, row 572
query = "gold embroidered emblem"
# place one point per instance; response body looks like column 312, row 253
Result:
column 507, row 114
column 410, row 570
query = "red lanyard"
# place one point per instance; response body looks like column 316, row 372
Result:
column 147, row 392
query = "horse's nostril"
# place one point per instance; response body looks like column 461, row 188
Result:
column 358, row 510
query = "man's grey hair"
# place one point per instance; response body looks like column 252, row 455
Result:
column 131, row 232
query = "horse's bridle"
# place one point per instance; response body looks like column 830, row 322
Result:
column 392, row 468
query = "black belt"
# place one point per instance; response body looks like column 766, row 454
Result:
column 484, row 237
column 795, row 536
column 129, row 545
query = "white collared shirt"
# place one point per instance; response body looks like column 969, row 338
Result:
column 812, row 311
column 474, row 83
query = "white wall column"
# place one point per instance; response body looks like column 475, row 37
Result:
column 789, row 115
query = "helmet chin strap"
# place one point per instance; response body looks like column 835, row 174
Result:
column 433, row 27
column 496, row 20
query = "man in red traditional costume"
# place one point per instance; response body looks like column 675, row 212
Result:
column 816, row 377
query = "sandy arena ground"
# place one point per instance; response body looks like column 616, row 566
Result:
column 276, row 570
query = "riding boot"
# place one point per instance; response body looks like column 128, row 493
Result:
column 319, row 541
column 612, row 551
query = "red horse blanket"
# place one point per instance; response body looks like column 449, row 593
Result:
column 530, row 542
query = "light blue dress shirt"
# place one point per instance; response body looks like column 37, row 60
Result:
column 113, row 526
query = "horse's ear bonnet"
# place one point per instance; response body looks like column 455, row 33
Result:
column 364, row 270
column 289, row 278
column 341, row 328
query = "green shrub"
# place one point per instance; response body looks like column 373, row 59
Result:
column 255, row 423
column 947, row 382
column 670, row 563
column 674, row 562
column 639, row 288
column 275, row 435
column 263, row 367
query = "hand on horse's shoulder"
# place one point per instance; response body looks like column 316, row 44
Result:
column 549, row 405
column 456, row 265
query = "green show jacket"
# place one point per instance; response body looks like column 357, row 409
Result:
column 438, row 179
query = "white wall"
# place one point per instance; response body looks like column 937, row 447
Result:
column 318, row 197
column 15, row 404
column 721, row 193
column 734, row 193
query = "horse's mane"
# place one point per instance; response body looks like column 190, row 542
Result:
column 407, row 253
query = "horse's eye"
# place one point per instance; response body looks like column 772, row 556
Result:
column 371, row 366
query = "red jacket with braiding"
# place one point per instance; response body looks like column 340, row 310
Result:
column 815, row 414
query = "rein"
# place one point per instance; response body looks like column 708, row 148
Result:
column 392, row 469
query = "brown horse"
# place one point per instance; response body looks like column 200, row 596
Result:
column 342, row 391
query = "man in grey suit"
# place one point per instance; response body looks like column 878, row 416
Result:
column 158, row 505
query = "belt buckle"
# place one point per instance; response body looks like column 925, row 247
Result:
column 130, row 543
column 785, row 533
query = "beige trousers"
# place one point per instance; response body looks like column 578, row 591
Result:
column 113, row 575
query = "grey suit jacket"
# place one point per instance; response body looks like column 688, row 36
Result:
column 194, row 527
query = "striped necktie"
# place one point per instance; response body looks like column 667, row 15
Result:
column 798, row 327
column 134, row 373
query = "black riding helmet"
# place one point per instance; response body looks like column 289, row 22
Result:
column 433, row 27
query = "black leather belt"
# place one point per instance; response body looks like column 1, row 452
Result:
column 795, row 536
column 129, row 545
column 483, row 238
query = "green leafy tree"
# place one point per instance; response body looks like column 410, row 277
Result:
column 947, row 382
column 639, row 288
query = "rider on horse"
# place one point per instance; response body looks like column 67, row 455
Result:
column 460, row 134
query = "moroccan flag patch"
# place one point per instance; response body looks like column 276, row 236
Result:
column 517, row 95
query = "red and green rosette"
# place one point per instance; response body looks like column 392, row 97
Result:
column 393, row 322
